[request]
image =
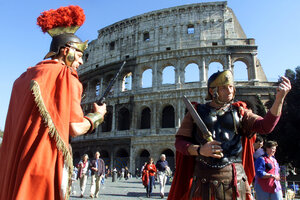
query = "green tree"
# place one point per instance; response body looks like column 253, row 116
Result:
column 286, row 132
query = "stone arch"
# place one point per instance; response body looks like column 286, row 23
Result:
column 107, row 123
column 168, row 75
column 145, row 118
column 191, row 73
column 105, row 156
column 142, row 158
column 106, row 82
column 168, row 117
column 123, row 119
column 170, row 157
column 146, row 36
column 147, row 78
column 240, row 69
column 127, row 82
column 122, row 159
column 95, row 87
column 213, row 67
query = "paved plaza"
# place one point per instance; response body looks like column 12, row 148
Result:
column 131, row 189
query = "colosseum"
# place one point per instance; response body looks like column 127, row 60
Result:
column 163, row 49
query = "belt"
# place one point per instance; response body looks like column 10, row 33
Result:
column 218, row 163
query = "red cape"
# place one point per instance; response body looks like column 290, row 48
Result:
column 35, row 158
column 183, row 176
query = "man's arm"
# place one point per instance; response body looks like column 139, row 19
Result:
column 281, row 91
column 77, row 129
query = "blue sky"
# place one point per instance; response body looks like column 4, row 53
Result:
column 273, row 23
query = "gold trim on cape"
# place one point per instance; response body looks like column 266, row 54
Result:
column 60, row 144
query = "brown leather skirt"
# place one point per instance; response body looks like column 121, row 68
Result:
column 228, row 183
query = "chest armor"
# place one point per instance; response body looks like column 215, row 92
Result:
column 225, row 126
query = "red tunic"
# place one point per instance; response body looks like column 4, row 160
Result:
column 35, row 158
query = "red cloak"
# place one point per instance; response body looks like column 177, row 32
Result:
column 35, row 159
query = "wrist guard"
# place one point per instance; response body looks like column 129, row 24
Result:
column 95, row 119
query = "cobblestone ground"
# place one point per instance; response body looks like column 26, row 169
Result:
column 131, row 189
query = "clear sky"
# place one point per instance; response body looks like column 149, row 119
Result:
column 273, row 23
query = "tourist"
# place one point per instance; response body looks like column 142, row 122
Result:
column 267, row 179
column 98, row 172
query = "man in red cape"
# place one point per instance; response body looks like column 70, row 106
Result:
column 44, row 110
column 219, row 169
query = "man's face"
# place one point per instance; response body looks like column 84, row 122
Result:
column 162, row 158
column 78, row 60
column 226, row 93
column 258, row 145
column 97, row 155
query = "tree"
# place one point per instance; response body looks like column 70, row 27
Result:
column 286, row 132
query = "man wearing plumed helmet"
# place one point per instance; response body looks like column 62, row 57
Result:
column 44, row 111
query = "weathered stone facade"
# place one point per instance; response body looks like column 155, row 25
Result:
column 142, row 120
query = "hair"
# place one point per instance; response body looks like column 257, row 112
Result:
column 149, row 160
column 84, row 156
column 270, row 144
column 162, row 155
column 258, row 138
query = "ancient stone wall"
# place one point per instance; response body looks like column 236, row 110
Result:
column 145, row 110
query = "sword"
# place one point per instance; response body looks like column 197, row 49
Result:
column 110, row 85
column 199, row 122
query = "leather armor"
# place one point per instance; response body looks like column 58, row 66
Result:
column 225, row 126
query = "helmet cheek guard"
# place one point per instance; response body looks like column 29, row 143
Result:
column 70, row 57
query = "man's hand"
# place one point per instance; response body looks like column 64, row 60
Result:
column 283, row 88
column 100, row 109
column 211, row 149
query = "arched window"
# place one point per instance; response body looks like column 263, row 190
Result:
column 146, row 118
column 191, row 73
column 106, row 82
column 122, row 159
column 107, row 123
column 97, row 88
column 190, row 29
column 213, row 68
column 145, row 154
column 105, row 156
column 168, row 75
column 127, row 82
column 147, row 78
column 146, row 36
column 123, row 119
column 240, row 71
column 168, row 117
column 141, row 159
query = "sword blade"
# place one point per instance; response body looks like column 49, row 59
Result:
column 197, row 119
